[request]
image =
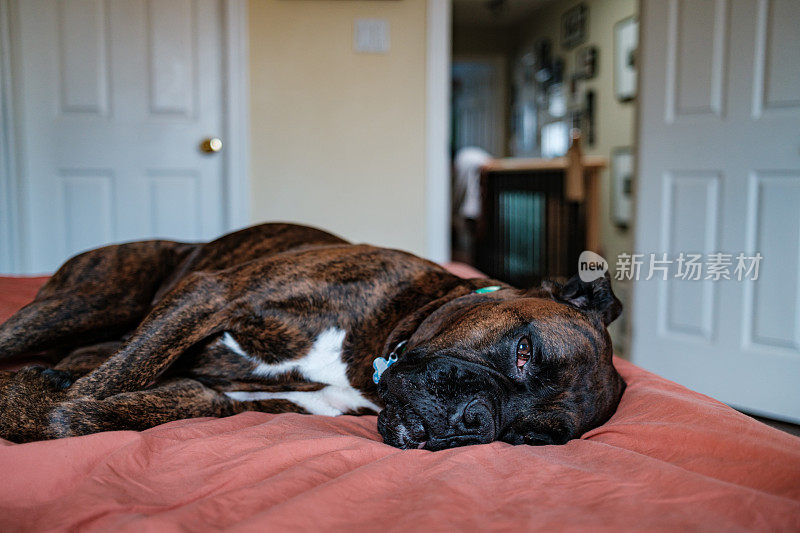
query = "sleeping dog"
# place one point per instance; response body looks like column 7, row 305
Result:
column 285, row 318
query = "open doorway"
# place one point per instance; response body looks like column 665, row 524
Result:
column 526, row 76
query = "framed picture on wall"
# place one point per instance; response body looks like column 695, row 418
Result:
column 622, row 186
column 586, row 62
column 626, row 42
column 573, row 26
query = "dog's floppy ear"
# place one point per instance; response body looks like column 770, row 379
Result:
column 593, row 296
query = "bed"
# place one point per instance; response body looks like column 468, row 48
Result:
column 669, row 458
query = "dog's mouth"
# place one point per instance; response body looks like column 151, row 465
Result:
column 406, row 432
column 404, row 428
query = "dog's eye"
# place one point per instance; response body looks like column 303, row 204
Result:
column 523, row 351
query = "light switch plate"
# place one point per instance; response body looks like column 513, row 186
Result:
column 371, row 36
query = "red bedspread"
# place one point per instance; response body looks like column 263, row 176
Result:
column 669, row 458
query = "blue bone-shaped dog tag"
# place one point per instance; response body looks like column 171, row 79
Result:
column 380, row 364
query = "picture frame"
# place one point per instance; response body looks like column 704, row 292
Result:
column 626, row 43
column 622, row 177
column 586, row 62
column 574, row 22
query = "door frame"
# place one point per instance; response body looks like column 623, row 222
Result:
column 236, row 113
column 437, row 130
column 236, row 126
column 10, row 192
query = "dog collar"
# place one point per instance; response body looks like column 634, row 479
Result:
column 490, row 288
column 380, row 364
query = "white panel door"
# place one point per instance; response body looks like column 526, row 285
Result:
column 114, row 98
column 719, row 171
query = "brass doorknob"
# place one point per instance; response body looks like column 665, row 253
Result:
column 211, row 145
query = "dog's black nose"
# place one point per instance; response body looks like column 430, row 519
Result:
column 473, row 418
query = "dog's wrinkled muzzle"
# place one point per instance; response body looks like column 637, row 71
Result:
column 434, row 407
column 474, row 424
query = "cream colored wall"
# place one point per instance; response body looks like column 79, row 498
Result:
column 338, row 137
column 614, row 121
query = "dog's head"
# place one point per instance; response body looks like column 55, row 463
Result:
column 524, row 367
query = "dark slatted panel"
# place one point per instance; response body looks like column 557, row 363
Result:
column 529, row 232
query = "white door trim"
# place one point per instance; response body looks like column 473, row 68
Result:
column 437, row 131
column 237, row 113
column 10, row 191
column 236, row 135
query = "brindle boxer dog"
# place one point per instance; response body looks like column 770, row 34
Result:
column 280, row 318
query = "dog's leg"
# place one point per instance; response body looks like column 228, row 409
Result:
column 83, row 360
column 196, row 309
column 95, row 296
column 26, row 397
column 173, row 400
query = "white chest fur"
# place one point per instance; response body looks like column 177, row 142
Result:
column 322, row 364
